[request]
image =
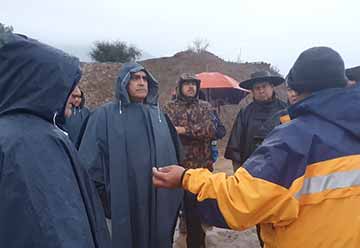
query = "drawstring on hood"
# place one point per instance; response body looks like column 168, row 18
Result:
column 56, row 126
column 76, row 110
column 159, row 112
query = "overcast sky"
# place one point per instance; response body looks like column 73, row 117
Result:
column 255, row 30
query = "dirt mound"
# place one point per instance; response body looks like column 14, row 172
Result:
column 97, row 82
column 98, row 78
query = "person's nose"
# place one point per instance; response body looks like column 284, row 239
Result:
column 141, row 81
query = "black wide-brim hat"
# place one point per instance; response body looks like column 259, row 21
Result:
column 259, row 77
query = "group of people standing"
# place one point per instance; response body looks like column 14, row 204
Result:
column 64, row 169
column 300, row 182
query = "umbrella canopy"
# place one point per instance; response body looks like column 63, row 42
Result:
column 220, row 89
column 214, row 80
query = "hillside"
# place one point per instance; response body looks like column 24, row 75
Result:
column 98, row 78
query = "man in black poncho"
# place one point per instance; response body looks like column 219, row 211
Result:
column 255, row 122
column 46, row 197
column 251, row 124
column 123, row 140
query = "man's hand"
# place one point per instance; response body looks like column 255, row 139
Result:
column 180, row 130
column 168, row 177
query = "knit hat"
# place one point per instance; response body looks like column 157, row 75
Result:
column 317, row 68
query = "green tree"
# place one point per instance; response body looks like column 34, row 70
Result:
column 117, row 51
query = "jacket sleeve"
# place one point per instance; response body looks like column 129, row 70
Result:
column 243, row 200
column 233, row 148
column 176, row 140
column 94, row 154
column 166, row 109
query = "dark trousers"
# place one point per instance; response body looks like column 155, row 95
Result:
column 195, row 237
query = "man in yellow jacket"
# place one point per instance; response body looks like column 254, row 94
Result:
column 303, row 183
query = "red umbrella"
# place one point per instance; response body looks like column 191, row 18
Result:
column 213, row 80
column 221, row 89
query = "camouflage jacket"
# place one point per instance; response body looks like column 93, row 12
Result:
column 195, row 117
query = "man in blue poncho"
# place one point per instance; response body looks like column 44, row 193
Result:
column 123, row 140
column 46, row 197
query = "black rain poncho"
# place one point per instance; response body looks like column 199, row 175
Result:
column 46, row 197
column 251, row 126
column 121, row 144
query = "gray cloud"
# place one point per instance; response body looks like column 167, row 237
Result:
column 271, row 31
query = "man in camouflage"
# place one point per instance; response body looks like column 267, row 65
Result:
column 193, row 120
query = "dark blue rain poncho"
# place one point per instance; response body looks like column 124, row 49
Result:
column 46, row 197
column 121, row 144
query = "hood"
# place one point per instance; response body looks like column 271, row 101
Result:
column 338, row 106
column 181, row 97
column 123, row 79
column 35, row 78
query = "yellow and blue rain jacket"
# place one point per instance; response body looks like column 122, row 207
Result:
column 302, row 184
